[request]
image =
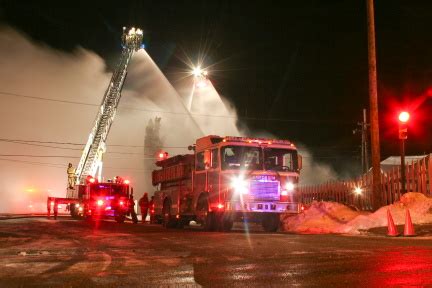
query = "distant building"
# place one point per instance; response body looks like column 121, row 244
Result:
column 395, row 161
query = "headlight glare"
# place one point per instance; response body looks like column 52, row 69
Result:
column 240, row 185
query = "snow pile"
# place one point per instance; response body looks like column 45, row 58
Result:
column 320, row 217
column 330, row 217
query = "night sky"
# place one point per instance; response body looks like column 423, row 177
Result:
column 296, row 70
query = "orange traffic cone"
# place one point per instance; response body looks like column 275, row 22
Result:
column 392, row 230
column 409, row 227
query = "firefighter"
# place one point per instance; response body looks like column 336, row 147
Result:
column 71, row 176
column 132, row 209
column 144, row 206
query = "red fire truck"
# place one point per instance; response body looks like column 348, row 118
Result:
column 96, row 200
column 228, row 179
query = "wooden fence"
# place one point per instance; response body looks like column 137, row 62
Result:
column 418, row 179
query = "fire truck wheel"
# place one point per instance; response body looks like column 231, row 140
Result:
column 74, row 212
column 270, row 222
column 168, row 220
column 227, row 225
column 224, row 222
column 120, row 218
column 210, row 222
column 209, row 219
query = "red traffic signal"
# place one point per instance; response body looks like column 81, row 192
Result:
column 404, row 117
column 403, row 120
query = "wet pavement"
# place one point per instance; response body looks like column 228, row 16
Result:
column 35, row 252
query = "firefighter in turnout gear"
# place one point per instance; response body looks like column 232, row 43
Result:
column 71, row 176
column 144, row 206
column 132, row 209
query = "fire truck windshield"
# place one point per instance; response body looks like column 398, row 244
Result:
column 241, row 157
column 279, row 159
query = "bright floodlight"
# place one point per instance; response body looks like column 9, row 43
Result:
column 197, row 71
column 404, row 117
column 133, row 38
column 358, row 190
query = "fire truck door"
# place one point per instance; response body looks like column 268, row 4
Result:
column 200, row 177
column 213, row 176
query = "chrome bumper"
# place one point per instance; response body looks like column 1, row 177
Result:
column 263, row 206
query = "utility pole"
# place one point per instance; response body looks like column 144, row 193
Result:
column 373, row 102
column 365, row 141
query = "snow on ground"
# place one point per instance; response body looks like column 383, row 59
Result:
column 331, row 217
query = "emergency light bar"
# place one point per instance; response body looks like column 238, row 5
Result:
column 256, row 140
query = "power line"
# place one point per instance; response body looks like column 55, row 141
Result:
column 37, row 156
column 62, row 166
column 68, row 157
column 318, row 121
column 27, row 142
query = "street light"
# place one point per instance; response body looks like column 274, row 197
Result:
column 403, row 134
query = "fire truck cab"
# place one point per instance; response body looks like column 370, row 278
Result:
column 228, row 179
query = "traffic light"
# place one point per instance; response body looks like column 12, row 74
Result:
column 404, row 117
column 403, row 120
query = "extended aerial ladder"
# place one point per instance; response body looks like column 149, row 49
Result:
column 80, row 199
column 91, row 159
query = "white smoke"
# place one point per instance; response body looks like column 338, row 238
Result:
column 31, row 71
column 314, row 172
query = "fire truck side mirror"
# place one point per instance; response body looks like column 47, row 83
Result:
column 300, row 162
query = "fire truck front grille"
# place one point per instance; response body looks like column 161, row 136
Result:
column 264, row 190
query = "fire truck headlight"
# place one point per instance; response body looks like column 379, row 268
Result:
column 80, row 209
column 289, row 186
column 100, row 202
column 240, row 185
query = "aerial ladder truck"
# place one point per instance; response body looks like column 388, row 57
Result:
column 90, row 197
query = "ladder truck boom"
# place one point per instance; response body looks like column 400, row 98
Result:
column 91, row 158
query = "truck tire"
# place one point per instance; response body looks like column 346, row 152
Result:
column 74, row 211
column 209, row 221
column 168, row 221
column 120, row 218
column 224, row 222
column 270, row 222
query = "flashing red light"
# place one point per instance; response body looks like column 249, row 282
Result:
column 404, row 117
column 92, row 180
column 284, row 193
column 127, row 182
column 302, row 208
column 220, row 206
column 52, row 203
column 121, row 203
column 100, row 202
column 163, row 155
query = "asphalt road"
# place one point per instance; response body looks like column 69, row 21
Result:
column 35, row 252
